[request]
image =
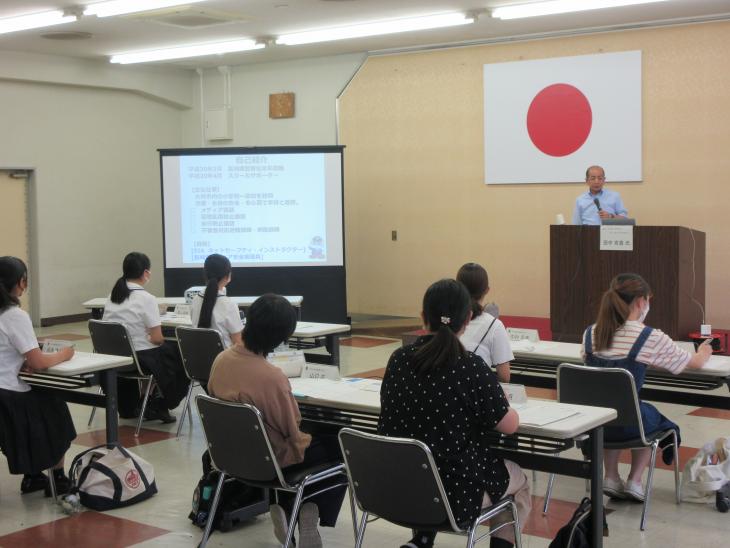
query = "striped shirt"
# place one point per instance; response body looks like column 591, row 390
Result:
column 659, row 350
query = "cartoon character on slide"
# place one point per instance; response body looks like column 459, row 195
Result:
column 316, row 248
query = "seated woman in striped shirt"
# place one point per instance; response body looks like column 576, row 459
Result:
column 619, row 338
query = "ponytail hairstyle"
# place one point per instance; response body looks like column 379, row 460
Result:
column 615, row 306
column 475, row 279
column 12, row 272
column 216, row 268
column 133, row 268
column 446, row 307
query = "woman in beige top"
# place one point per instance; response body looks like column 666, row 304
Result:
column 242, row 374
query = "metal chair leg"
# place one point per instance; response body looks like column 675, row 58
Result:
column 649, row 480
column 294, row 515
column 186, row 407
column 52, row 484
column 516, row 525
column 144, row 406
column 677, row 482
column 361, row 530
column 548, row 493
column 93, row 411
column 353, row 510
column 211, row 514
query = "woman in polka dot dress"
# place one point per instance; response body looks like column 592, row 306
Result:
column 437, row 392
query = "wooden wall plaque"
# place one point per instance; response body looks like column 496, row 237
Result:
column 281, row 105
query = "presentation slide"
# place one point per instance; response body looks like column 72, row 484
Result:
column 257, row 209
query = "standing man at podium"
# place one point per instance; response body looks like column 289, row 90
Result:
column 597, row 203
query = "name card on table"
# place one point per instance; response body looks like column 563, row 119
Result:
column 516, row 394
column 183, row 309
column 517, row 334
column 51, row 346
column 617, row 238
column 320, row 371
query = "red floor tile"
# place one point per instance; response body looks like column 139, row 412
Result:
column 711, row 413
column 685, row 453
column 547, row 526
column 85, row 530
column 543, row 393
column 64, row 337
column 365, row 342
column 126, row 437
column 372, row 374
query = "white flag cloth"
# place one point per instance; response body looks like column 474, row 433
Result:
column 546, row 121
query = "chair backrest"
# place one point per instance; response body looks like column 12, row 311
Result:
column 113, row 338
column 198, row 348
column 396, row 479
column 237, row 440
column 611, row 387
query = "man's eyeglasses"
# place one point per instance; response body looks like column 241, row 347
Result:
column 596, row 178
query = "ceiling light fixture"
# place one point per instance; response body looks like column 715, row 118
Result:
column 120, row 7
column 376, row 28
column 552, row 7
column 183, row 52
column 35, row 20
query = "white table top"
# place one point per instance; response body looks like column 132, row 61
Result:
column 87, row 362
column 303, row 330
column 363, row 395
column 295, row 300
column 717, row 366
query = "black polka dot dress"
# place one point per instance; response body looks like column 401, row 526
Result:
column 449, row 409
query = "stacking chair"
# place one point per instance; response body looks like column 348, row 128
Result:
column 198, row 348
column 239, row 448
column 113, row 338
column 409, row 493
column 615, row 388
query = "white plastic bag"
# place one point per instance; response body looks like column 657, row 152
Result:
column 706, row 472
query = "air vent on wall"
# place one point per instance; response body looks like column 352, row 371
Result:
column 189, row 17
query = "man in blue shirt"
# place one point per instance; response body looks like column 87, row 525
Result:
column 609, row 206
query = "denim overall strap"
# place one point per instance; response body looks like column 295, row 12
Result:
column 639, row 343
column 588, row 346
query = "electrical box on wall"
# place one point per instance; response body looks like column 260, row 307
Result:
column 219, row 124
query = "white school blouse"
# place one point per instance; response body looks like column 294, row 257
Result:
column 226, row 319
column 495, row 348
column 139, row 313
column 16, row 339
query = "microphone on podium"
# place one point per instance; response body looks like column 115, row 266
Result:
column 598, row 204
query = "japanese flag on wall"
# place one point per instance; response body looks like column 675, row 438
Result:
column 546, row 121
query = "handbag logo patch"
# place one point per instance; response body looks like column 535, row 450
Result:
column 132, row 479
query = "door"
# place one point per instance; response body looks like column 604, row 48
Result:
column 14, row 234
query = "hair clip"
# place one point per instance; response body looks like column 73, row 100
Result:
column 445, row 320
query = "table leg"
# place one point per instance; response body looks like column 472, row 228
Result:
column 108, row 381
column 597, row 486
column 334, row 348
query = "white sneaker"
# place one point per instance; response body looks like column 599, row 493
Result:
column 615, row 489
column 279, row 521
column 308, row 521
column 634, row 491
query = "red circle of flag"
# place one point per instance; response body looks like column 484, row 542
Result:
column 559, row 120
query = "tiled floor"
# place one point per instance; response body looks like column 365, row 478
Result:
column 33, row 521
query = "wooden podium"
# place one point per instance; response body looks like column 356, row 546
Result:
column 670, row 258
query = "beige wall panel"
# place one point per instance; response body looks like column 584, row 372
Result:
column 413, row 127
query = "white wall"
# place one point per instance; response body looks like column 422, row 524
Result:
column 315, row 82
column 96, row 171
column 90, row 132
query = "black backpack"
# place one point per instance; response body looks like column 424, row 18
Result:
column 234, row 495
column 578, row 532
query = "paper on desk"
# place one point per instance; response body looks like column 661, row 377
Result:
column 540, row 415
